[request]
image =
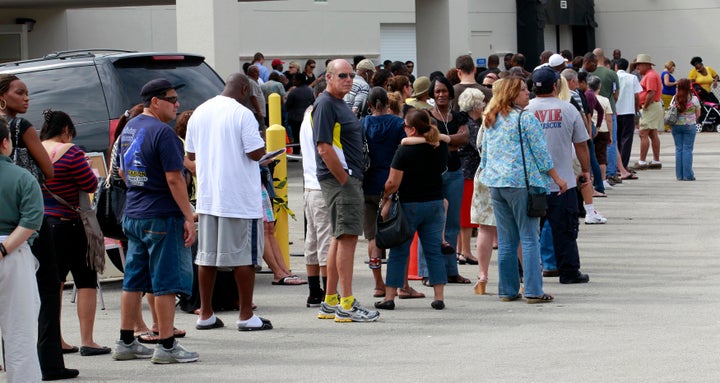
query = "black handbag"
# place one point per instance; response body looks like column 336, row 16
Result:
column 537, row 200
column 395, row 230
column 109, row 206
column 22, row 156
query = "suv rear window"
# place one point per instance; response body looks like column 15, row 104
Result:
column 75, row 90
column 134, row 72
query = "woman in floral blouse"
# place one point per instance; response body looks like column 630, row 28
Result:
column 503, row 173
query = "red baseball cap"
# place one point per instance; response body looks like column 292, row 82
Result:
column 277, row 62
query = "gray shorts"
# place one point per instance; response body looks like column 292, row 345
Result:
column 229, row 242
column 346, row 205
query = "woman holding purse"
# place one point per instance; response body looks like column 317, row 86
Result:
column 72, row 174
column 503, row 173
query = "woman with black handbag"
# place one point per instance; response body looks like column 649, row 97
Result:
column 416, row 174
column 511, row 169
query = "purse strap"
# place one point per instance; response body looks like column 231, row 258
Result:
column 61, row 200
column 522, row 150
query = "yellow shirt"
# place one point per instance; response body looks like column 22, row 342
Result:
column 704, row 81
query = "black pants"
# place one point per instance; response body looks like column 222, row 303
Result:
column 625, row 131
column 48, row 346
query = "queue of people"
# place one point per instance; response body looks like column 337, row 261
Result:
column 448, row 146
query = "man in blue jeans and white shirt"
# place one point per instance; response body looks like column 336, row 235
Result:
column 564, row 129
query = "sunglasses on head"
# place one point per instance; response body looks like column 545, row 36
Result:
column 343, row 76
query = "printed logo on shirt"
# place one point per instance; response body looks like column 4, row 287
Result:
column 550, row 118
column 135, row 169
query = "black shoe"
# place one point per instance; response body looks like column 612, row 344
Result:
column 385, row 305
column 66, row 373
column 447, row 248
column 437, row 305
column 579, row 278
column 313, row 301
column 217, row 324
column 92, row 351
column 550, row 273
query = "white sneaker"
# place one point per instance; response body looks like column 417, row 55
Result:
column 595, row 218
column 607, row 184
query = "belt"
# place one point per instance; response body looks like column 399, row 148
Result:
column 61, row 219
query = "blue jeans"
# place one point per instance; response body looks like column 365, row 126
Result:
column 563, row 218
column 684, row 137
column 452, row 192
column 547, row 250
column 611, row 169
column 595, row 168
column 427, row 218
column 514, row 227
column 157, row 260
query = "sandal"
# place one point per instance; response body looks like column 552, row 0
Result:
column 480, row 286
column 148, row 337
column 409, row 293
column 545, row 298
column 458, row 279
column 471, row 260
column 461, row 259
column 378, row 293
column 426, row 282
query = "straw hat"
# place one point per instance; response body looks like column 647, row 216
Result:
column 421, row 86
column 643, row 58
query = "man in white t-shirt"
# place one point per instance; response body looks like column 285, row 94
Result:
column 627, row 106
column 564, row 129
column 223, row 140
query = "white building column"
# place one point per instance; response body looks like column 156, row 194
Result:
column 442, row 32
column 210, row 28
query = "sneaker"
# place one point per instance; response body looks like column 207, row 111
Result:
column 130, row 351
column 607, row 184
column 655, row 165
column 314, row 301
column 177, row 354
column 594, row 218
column 326, row 311
column 356, row 314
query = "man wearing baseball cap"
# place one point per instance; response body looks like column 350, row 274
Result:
column 564, row 129
column 277, row 66
column 151, row 163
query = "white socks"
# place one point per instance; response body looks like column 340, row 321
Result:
column 206, row 322
column 589, row 209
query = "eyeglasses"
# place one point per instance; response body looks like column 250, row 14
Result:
column 343, row 76
column 406, row 126
column 312, row 66
column 173, row 99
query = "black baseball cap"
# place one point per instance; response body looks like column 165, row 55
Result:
column 157, row 87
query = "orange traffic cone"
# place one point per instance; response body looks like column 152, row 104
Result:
column 288, row 149
column 413, row 267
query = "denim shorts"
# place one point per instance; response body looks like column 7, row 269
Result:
column 157, row 260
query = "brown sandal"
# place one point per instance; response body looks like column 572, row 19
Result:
column 458, row 279
column 409, row 293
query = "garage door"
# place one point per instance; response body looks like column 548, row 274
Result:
column 397, row 42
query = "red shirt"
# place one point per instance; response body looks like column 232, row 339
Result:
column 650, row 81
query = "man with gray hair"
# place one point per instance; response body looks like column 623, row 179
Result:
column 338, row 139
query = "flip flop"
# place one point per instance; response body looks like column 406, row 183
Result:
column 289, row 281
column 378, row 293
column 266, row 325
column 545, row 298
column 148, row 337
column 630, row 177
column 177, row 333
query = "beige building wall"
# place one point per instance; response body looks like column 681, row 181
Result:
column 228, row 33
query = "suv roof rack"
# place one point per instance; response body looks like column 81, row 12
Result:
column 81, row 53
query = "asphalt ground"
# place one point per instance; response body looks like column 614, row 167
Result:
column 649, row 314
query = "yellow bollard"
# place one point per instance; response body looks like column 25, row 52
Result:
column 275, row 139
column 274, row 110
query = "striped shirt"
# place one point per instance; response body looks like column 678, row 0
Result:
column 72, row 173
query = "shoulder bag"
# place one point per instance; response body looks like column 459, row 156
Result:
column 95, row 255
column 671, row 114
column 395, row 230
column 537, row 202
column 22, row 156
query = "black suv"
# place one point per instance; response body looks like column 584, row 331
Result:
column 95, row 87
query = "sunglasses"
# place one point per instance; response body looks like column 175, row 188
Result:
column 173, row 100
column 343, row 76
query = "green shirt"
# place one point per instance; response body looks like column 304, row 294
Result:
column 22, row 201
column 609, row 83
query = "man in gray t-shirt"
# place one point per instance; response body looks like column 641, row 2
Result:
column 564, row 129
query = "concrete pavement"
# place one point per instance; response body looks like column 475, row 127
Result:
column 649, row 314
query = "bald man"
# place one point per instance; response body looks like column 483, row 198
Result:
column 223, row 140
